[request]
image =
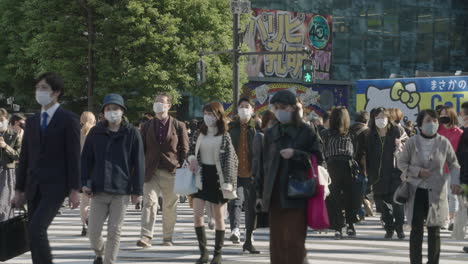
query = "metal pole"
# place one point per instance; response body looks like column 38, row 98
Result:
column 235, row 60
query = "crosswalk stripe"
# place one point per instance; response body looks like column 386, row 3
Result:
column 368, row 247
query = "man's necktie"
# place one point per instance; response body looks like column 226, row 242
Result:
column 44, row 121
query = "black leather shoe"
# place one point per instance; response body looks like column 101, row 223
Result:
column 465, row 249
column 389, row 234
column 98, row 260
column 400, row 233
column 350, row 231
column 84, row 231
column 250, row 248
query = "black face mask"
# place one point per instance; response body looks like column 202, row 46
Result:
column 444, row 120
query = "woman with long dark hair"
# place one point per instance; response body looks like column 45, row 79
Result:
column 288, row 147
column 338, row 148
column 213, row 159
column 382, row 143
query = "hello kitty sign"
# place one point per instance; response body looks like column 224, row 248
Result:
column 412, row 95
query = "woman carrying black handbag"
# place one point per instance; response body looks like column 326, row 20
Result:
column 288, row 147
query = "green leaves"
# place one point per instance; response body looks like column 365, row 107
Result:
column 140, row 47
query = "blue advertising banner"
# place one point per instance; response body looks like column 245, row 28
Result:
column 412, row 95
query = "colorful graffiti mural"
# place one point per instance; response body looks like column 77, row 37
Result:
column 412, row 94
column 317, row 98
column 274, row 30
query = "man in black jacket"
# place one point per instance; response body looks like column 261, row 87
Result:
column 462, row 152
column 358, row 133
column 49, row 167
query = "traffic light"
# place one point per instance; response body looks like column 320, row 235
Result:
column 308, row 71
column 201, row 72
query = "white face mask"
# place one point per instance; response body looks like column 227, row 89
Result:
column 113, row 116
column 3, row 126
column 381, row 122
column 245, row 113
column 283, row 116
column 462, row 122
column 430, row 129
column 210, row 121
column 159, row 108
column 43, row 98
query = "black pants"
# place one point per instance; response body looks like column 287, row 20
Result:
column 42, row 211
column 420, row 211
column 246, row 198
column 341, row 194
column 393, row 214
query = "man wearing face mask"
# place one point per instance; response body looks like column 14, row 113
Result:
column 49, row 166
column 166, row 146
column 112, row 173
column 242, row 131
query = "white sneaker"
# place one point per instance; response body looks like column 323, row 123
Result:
column 235, row 236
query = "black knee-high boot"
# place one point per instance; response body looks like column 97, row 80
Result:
column 219, row 243
column 201, row 236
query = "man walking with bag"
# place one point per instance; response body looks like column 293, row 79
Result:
column 49, row 167
column 166, row 145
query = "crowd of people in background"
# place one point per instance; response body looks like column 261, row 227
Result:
column 240, row 164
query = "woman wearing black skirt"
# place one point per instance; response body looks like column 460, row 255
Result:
column 213, row 160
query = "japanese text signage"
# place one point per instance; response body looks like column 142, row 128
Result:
column 412, row 95
column 274, row 30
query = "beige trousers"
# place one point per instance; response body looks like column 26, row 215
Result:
column 84, row 207
column 104, row 205
column 161, row 182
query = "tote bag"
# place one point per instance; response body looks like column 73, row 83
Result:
column 317, row 214
column 184, row 181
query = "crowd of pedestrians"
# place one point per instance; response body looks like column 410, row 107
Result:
column 244, row 164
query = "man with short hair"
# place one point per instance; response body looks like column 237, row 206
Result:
column 166, row 146
column 242, row 131
column 49, row 164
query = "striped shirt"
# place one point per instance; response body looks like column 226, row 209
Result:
column 337, row 145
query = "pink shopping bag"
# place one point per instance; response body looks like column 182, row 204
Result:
column 317, row 214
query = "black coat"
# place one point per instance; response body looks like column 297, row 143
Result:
column 275, row 169
column 462, row 155
column 50, row 159
column 384, row 177
column 113, row 162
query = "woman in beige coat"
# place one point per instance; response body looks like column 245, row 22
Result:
column 422, row 164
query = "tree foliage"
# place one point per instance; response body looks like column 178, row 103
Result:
column 140, row 47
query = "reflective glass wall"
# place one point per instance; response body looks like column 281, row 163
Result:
column 374, row 38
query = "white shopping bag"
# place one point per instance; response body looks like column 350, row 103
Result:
column 324, row 179
column 459, row 224
column 184, row 181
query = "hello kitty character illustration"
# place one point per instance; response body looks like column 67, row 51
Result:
column 402, row 96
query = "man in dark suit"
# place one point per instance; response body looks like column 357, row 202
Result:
column 49, row 164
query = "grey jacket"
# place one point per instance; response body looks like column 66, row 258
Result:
column 410, row 162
